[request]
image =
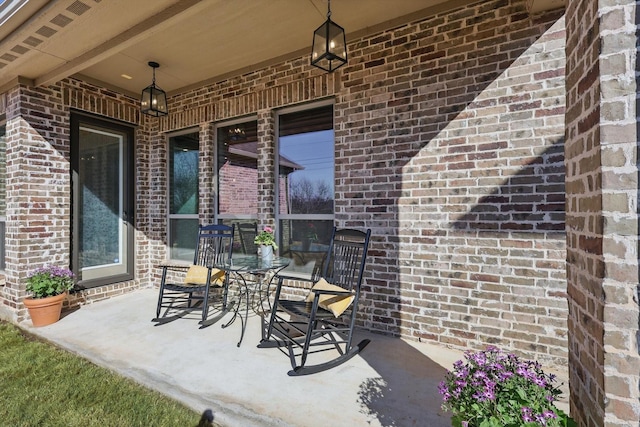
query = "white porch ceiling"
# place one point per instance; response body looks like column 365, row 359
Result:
column 194, row 41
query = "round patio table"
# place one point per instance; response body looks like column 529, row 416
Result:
column 243, row 266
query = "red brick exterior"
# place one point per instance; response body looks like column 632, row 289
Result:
column 602, row 220
column 449, row 135
column 449, row 145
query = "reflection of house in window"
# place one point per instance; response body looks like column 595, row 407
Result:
column 238, row 170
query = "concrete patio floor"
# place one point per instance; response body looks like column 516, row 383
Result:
column 393, row 382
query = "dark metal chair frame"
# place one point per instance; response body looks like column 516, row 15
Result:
column 309, row 328
column 214, row 247
column 248, row 232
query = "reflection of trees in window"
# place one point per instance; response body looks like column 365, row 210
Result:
column 306, row 185
column 183, row 195
column 184, row 174
column 309, row 197
column 185, row 182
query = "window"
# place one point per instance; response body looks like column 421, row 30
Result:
column 305, row 186
column 237, row 173
column 183, row 195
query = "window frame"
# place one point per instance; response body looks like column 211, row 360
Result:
column 129, row 189
column 302, row 217
column 171, row 216
column 229, row 218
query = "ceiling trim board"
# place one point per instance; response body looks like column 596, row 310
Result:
column 20, row 80
column 178, row 11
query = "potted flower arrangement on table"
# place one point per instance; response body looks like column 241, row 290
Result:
column 267, row 241
column 48, row 286
column 494, row 389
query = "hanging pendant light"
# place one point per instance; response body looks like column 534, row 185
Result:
column 329, row 50
column 154, row 100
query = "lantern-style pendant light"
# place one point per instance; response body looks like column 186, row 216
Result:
column 154, row 100
column 329, row 50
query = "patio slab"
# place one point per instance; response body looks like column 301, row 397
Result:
column 392, row 383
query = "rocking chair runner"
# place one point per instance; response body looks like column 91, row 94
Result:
column 214, row 246
column 326, row 319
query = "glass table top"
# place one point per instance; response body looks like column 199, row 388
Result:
column 253, row 263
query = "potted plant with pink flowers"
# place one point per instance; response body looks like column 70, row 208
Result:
column 48, row 286
column 494, row 389
column 267, row 241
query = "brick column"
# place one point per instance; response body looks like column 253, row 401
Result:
column 38, row 188
column 207, row 173
column 601, row 212
column 266, row 165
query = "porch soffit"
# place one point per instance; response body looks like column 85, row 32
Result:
column 195, row 41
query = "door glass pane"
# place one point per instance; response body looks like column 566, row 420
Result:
column 101, row 187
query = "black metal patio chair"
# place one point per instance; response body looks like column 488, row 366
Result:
column 202, row 279
column 248, row 232
column 325, row 320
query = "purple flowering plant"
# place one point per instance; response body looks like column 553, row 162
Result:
column 49, row 281
column 494, row 389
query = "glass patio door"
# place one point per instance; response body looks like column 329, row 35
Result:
column 102, row 221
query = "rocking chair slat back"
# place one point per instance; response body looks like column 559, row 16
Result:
column 309, row 326
column 215, row 244
column 347, row 257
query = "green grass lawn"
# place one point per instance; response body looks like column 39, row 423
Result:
column 42, row 385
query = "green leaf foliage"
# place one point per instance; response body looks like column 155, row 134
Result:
column 49, row 281
column 494, row 389
column 45, row 386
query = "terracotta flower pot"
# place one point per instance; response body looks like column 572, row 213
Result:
column 45, row 311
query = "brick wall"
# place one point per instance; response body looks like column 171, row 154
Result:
column 453, row 127
column 39, row 182
column 584, row 203
column 38, row 186
column 449, row 146
column 238, row 185
column 602, row 200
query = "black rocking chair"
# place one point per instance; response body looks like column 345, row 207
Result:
column 248, row 232
column 326, row 319
column 214, row 246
